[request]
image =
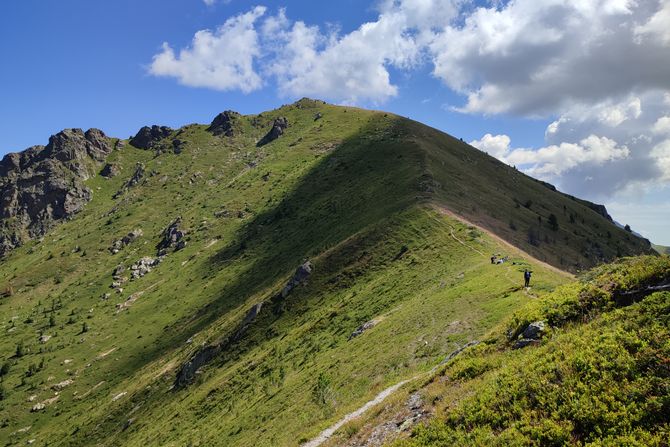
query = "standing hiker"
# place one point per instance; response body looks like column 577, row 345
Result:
column 526, row 278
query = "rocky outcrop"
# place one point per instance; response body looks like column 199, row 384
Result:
column 45, row 184
column 109, row 170
column 147, row 137
column 301, row 274
column 278, row 127
column 143, row 266
column 223, row 124
column 362, row 328
column 188, row 370
column 129, row 238
column 134, row 180
column 173, row 238
column 531, row 335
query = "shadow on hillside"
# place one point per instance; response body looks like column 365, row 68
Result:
column 367, row 177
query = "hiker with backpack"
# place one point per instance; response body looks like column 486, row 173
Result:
column 526, row 278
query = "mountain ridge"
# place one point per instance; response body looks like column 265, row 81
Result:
column 100, row 312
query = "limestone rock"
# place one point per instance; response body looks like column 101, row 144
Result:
column 61, row 385
column 143, row 266
column 119, row 244
column 45, row 184
column 223, row 123
column 301, row 274
column 173, row 238
column 38, row 407
column 110, row 170
column 147, row 137
column 278, row 127
column 362, row 328
column 534, row 331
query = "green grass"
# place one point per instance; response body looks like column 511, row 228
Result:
column 601, row 379
column 348, row 192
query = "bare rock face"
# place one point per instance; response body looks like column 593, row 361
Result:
column 148, row 137
column 223, row 123
column 45, row 184
column 278, row 127
column 173, row 238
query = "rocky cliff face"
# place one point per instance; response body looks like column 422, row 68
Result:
column 44, row 184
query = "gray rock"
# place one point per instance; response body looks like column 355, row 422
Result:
column 148, row 137
column 534, row 331
column 119, row 244
column 173, row 238
column 143, row 266
column 301, row 274
column 278, row 127
column 38, row 407
column 44, row 185
column 110, row 170
column 223, row 123
column 202, row 357
column 134, row 180
column 362, row 328
column 178, row 146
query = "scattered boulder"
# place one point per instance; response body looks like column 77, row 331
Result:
column 300, row 276
column 173, row 238
column 363, row 327
column 45, row 184
column 44, row 338
column 37, row 407
column 318, row 116
column 534, row 331
column 147, row 137
column 223, row 123
column 110, row 170
column 143, row 266
column 61, row 385
column 278, row 127
column 135, row 179
column 129, row 238
column 531, row 335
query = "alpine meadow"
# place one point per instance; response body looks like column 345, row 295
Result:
column 256, row 280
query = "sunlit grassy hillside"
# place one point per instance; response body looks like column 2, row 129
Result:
column 360, row 194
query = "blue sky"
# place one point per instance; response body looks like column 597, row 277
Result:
column 576, row 93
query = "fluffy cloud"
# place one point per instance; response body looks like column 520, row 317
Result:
column 495, row 145
column 551, row 161
column 220, row 60
column 597, row 68
column 537, row 58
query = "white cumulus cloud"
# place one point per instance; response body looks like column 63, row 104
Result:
column 220, row 60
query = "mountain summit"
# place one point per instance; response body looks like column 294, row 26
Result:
column 247, row 281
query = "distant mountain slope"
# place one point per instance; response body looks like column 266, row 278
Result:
column 661, row 249
column 168, row 309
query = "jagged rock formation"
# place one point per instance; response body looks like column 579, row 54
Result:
column 278, row 127
column 173, row 238
column 147, row 137
column 223, row 123
column 44, row 184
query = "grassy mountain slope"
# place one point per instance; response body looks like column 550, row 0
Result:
column 599, row 376
column 661, row 249
column 355, row 193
